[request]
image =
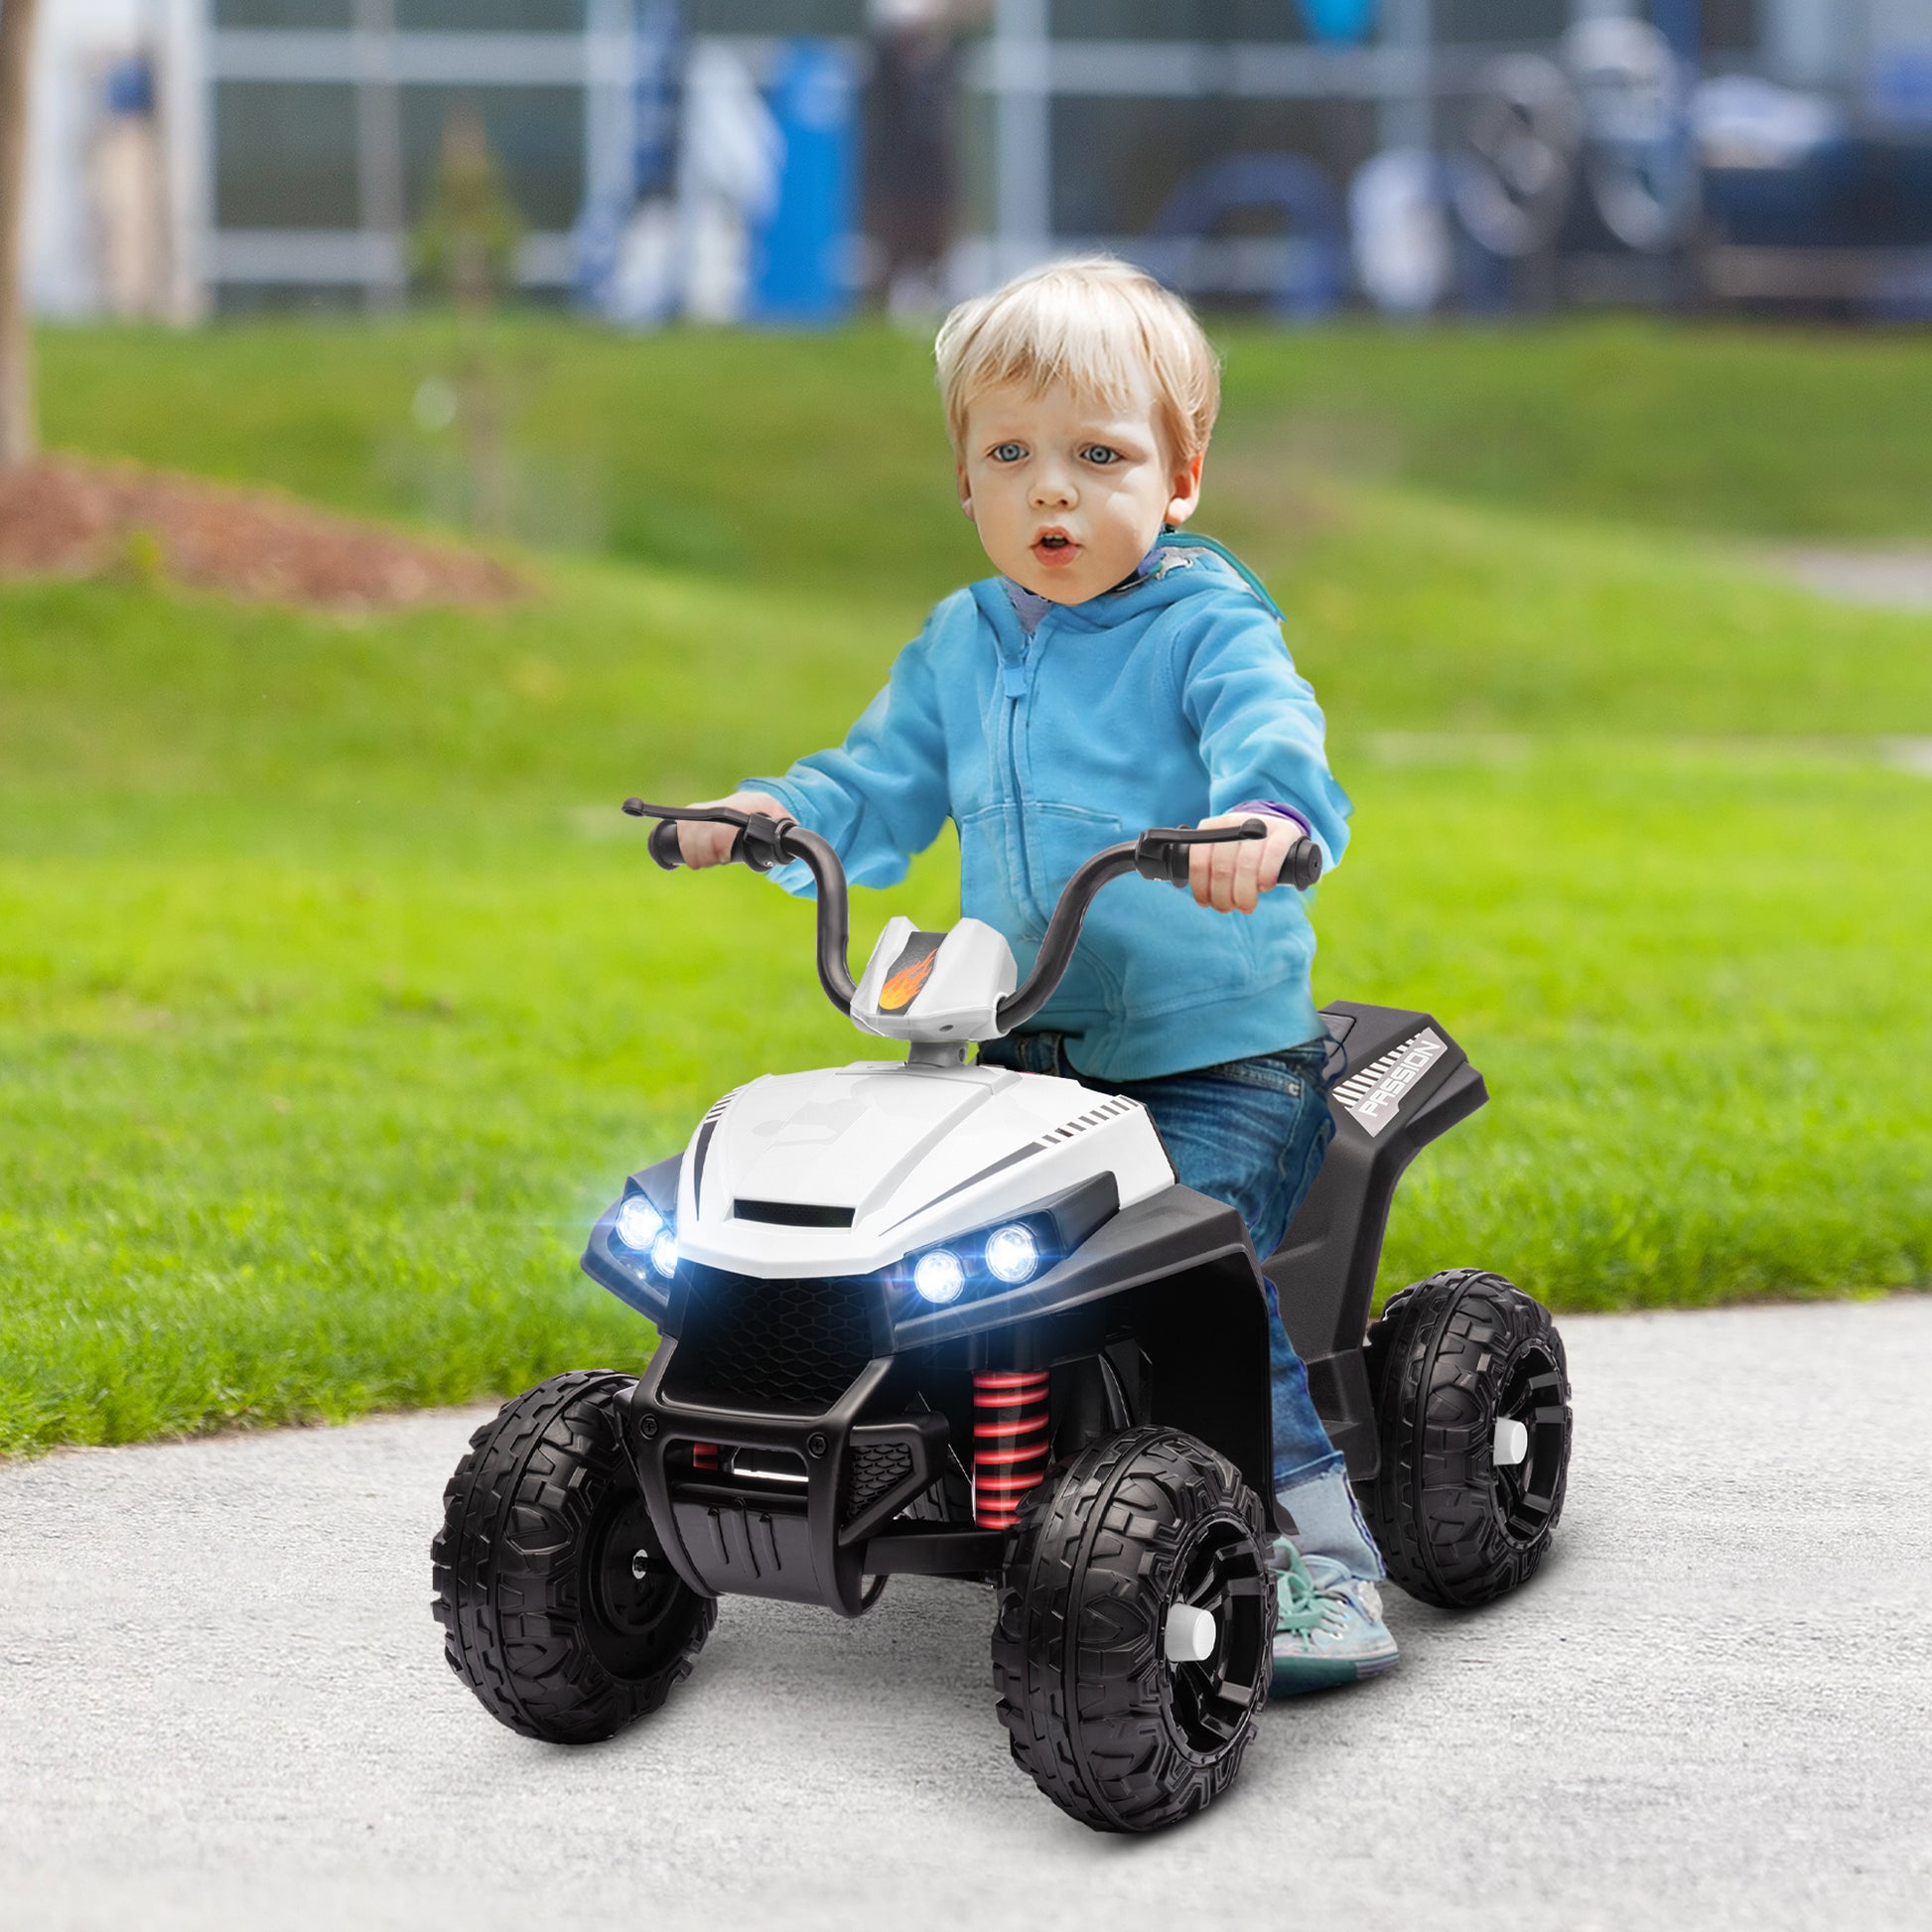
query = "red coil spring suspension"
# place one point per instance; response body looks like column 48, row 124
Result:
column 1009, row 1440
column 704, row 1457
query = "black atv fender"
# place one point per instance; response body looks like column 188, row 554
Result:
column 1397, row 1081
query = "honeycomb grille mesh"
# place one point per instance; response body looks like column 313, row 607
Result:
column 873, row 1468
column 755, row 1343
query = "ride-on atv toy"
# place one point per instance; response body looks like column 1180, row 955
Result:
column 931, row 1318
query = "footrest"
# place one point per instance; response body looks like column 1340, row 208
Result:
column 934, row 1549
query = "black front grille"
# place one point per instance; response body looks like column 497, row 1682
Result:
column 750, row 1343
column 873, row 1469
column 791, row 1213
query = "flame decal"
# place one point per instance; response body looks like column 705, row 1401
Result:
column 903, row 988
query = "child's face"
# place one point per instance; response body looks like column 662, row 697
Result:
column 1069, row 494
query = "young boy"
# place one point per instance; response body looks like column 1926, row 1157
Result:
column 1116, row 675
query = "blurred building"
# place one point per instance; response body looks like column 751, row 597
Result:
column 325, row 119
column 1227, row 142
column 1220, row 139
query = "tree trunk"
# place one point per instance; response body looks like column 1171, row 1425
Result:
column 18, row 440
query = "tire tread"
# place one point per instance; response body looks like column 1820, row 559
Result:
column 506, row 1570
column 1076, row 1643
column 1434, row 1374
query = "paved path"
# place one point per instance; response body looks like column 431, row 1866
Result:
column 1899, row 580
column 222, row 1703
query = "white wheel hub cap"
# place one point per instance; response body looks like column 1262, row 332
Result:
column 1512, row 1442
column 1189, row 1634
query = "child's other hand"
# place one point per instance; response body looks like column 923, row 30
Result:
column 711, row 845
column 1232, row 878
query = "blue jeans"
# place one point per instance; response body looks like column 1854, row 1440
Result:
column 1252, row 1134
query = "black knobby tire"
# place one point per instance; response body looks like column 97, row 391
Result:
column 548, row 1612
column 1448, row 1359
column 1102, row 1550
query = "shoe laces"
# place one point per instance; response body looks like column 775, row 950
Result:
column 1306, row 1607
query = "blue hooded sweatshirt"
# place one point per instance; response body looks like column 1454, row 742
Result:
column 1162, row 702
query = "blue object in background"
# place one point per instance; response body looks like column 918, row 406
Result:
column 1291, row 184
column 1901, row 86
column 657, row 54
column 1681, row 22
column 127, row 87
column 803, row 256
column 1847, row 193
column 1343, row 22
column 648, row 163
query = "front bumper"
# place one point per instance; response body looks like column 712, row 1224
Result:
column 799, row 1505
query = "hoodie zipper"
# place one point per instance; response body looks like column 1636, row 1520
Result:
column 1013, row 683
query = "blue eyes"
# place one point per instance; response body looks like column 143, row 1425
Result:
column 1095, row 453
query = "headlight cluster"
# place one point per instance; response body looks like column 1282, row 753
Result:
column 1006, row 1254
column 644, row 1231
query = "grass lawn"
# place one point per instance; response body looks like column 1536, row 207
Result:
column 335, row 997
column 821, row 459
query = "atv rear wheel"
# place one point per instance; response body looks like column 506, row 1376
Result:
column 1449, row 1360
column 558, row 1606
column 1115, row 1730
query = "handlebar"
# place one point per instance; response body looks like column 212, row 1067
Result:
column 763, row 843
column 1159, row 853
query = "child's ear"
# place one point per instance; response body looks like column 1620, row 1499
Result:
column 1186, row 492
column 965, row 488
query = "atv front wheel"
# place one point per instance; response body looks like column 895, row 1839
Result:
column 1135, row 1629
column 557, row 1604
column 1473, row 1407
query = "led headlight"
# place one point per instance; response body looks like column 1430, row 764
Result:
column 638, row 1225
column 1009, row 1253
column 939, row 1276
column 664, row 1253
column 1013, row 1254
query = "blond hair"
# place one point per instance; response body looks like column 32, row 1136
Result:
column 1094, row 324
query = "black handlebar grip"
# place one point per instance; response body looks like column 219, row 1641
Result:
column 1301, row 863
column 1173, row 862
column 665, row 846
column 1301, row 866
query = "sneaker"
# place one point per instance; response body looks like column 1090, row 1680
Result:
column 1329, row 1626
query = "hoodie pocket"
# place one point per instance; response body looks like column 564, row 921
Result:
column 1014, row 861
column 988, row 862
column 1062, row 838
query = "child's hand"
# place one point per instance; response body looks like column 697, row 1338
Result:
column 1232, row 878
column 711, row 845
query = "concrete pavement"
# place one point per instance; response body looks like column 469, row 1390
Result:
column 222, row 1701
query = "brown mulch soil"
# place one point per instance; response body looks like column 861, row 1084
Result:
column 62, row 516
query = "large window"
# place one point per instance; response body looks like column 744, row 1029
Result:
column 1729, row 26
column 1491, row 21
column 1176, row 20
column 489, row 16
column 283, row 13
column 1115, row 163
column 845, row 18
column 284, row 156
column 535, row 133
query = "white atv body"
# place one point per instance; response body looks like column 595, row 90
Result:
column 907, row 1155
